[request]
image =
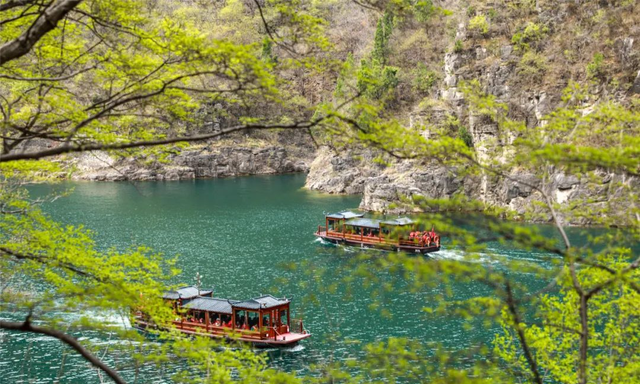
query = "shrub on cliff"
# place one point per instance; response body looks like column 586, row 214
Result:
column 529, row 36
column 479, row 25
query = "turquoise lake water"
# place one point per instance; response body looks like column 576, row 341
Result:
column 238, row 233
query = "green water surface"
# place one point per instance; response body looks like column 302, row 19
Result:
column 238, row 233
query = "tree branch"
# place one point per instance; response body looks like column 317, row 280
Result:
column 46, row 22
column 13, row 4
column 511, row 304
column 73, row 148
column 26, row 326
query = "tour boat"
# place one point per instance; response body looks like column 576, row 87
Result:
column 400, row 234
column 263, row 321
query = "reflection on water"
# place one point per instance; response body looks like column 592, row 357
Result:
column 239, row 234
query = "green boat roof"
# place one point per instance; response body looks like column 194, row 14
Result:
column 374, row 223
column 362, row 222
column 344, row 215
column 399, row 221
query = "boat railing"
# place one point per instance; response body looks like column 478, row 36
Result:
column 381, row 240
column 296, row 326
column 204, row 328
column 321, row 229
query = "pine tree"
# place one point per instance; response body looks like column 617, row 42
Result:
column 381, row 40
column 267, row 52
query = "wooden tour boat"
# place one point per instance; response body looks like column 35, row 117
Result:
column 263, row 321
column 399, row 234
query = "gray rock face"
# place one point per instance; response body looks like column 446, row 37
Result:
column 337, row 174
column 205, row 163
column 521, row 191
column 635, row 88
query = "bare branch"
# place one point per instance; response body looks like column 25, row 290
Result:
column 27, row 326
column 45, row 79
column 74, row 148
column 511, row 304
column 13, row 4
column 46, row 22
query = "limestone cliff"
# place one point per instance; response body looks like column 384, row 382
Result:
column 565, row 41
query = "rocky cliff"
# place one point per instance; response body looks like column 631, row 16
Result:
column 524, row 54
column 257, row 153
column 191, row 164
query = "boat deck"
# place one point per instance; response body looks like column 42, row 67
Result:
column 376, row 242
column 259, row 339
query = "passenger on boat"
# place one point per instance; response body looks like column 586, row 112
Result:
column 254, row 328
column 426, row 238
column 228, row 324
column 412, row 235
column 217, row 322
column 244, row 326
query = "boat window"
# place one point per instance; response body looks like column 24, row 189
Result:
column 213, row 317
column 253, row 319
column 283, row 317
column 241, row 318
column 371, row 232
column 266, row 320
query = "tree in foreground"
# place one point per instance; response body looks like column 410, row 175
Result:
column 131, row 76
column 97, row 75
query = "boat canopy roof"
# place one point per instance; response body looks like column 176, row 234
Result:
column 344, row 215
column 373, row 223
column 218, row 305
column 266, row 301
column 186, row 293
column 211, row 304
column 399, row 221
column 361, row 222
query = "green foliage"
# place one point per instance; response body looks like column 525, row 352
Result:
column 374, row 79
column 479, row 24
column 532, row 65
column 267, row 51
column 114, row 73
column 465, row 136
column 471, row 11
column 384, row 29
column 613, row 326
column 171, row 62
column 424, row 10
column 596, row 69
column 424, row 79
column 531, row 35
column 347, row 72
column 376, row 82
column 457, row 46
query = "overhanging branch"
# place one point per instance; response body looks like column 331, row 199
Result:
column 26, row 326
column 46, row 22
column 74, row 148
